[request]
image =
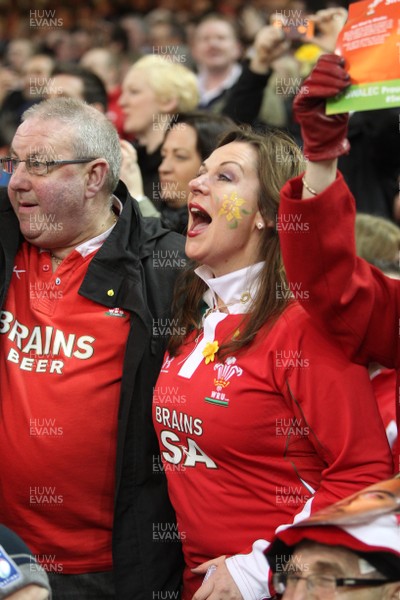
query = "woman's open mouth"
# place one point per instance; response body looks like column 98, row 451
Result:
column 199, row 220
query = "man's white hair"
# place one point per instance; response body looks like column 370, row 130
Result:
column 93, row 135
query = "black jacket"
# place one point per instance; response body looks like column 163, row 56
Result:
column 372, row 167
column 138, row 262
column 149, row 163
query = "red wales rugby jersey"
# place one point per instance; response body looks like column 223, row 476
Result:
column 61, row 359
column 283, row 428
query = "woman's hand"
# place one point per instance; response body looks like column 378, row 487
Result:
column 130, row 172
column 324, row 136
column 220, row 585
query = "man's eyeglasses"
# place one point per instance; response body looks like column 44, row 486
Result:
column 37, row 167
column 323, row 585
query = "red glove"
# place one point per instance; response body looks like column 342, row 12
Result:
column 324, row 136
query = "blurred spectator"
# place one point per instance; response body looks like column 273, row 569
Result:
column 35, row 76
column 250, row 22
column 119, row 45
column 36, row 73
column 153, row 91
column 189, row 141
column 197, row 9
column 167, row 38
column 81, row 42
column 254, row 90
column 73, row 81
column 265, row 92
column 136, row 29
column 17, row 53
column 105, row 64
column 59, row 42
column 216, row 50
column 119, row 41
column 9, row 81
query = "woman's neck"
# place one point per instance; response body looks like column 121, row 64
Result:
column 152, row 138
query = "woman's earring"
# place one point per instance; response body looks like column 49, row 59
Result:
column 260, row 226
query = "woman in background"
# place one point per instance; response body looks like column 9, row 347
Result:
column 153, row 91
column 189, row 140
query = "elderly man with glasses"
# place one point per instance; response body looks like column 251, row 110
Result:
column 82, row 291
column 334, row 554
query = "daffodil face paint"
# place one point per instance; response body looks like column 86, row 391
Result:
column 223, row 210
column 233, row 208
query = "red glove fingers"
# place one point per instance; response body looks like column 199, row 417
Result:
column 324, row 136
column 327, row 79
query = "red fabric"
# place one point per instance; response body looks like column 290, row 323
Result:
column 114, row 111
column 60, row 368
column 347, row 296
column 324, row 136
column 238, row 459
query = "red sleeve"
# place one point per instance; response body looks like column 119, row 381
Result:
column 354, row 301
column 334, row 409
column 333, row 401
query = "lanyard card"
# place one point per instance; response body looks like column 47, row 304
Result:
column 9, row 572
column 370, row 44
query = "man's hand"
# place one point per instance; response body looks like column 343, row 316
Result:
column 220, row 585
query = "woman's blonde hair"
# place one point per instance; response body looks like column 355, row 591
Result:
column 169, row 81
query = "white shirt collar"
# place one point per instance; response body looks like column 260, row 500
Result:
column 236, row 289
column 95, row 243
column 207, row 95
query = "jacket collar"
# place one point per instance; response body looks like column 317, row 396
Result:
column 114, row 277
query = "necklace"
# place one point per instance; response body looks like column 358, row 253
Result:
column 244, row 298
column 58, row 260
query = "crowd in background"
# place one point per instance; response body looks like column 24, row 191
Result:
column 108, row 38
